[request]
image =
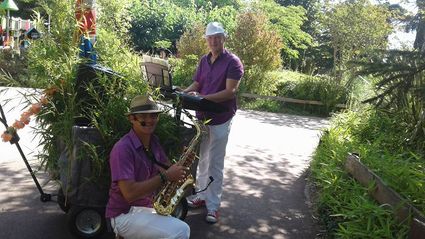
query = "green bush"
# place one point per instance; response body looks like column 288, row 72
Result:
column 183, row 70
column 192, row 42
column 288, row 75
column 257, row 81
column 298, row 86
column 318, row 88
column 191, row 47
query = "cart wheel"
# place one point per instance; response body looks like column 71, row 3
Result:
column 181, row 210
column 61, row 201
column 86, row 222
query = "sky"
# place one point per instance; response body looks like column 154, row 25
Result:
column 400, row 38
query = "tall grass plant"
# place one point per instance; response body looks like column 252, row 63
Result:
column 344, row 206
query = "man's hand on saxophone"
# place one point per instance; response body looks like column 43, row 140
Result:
column 176, row 172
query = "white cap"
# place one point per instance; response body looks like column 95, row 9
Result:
column 214, row 28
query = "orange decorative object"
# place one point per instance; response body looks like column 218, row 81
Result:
column 26, row 116
column 44, row 100
column 36, row 108
column 18, row 124
column 25, row 121
column 51, row 91
column 6, row 137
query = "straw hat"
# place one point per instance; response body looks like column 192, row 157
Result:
column 143, row 104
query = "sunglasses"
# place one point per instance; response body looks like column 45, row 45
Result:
column 147, row 115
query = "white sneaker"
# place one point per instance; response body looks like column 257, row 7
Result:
column 212, row 216
column 195, row 202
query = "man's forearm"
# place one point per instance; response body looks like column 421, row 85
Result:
column 192, row 87
column 228, row 93
column 221, row 96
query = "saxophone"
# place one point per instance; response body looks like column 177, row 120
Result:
column 171, row 193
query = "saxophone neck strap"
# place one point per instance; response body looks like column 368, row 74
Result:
column 152, row 158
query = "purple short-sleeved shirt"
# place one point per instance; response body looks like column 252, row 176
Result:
column 212, row 78
column 128, row 161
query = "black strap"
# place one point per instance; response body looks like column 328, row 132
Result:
column 152, row 158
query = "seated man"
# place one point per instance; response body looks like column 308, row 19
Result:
column 136, row 176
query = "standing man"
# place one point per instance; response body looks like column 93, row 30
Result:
column 137, row 173
column 217, row 79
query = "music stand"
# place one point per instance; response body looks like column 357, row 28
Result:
column 156, row 72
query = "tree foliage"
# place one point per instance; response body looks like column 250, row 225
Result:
column 208, row 3
column 356, row 28
column 420, row 26
column 287, row 21
column 163, row 20
column 400, row 89
column 114, row 15
column 160, row 20
column 258, row 46
column 192, row 42
column 191, row 47
column 156, row 20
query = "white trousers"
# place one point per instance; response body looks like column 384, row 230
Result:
column 211, row 163
column 144, row 223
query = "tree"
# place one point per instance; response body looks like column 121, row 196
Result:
column 287, row 21
column 258, row 46
column 208, row 4
column 225, row 15
column 401, row 83
column 156, row 20
column 191, row 47
column 317, row 57
column 114, row 15
column 355, row 29
column 420, row 29
column 163, row 21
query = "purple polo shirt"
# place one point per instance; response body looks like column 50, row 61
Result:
column 128, row 161
column 212, row 79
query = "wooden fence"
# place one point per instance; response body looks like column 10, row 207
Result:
column 289, row 100
column 386, row 196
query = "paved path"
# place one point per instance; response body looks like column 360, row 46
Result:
column 264, row 191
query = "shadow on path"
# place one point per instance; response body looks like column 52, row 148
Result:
column 265, row 177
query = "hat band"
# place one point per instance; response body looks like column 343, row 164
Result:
column 143, row 108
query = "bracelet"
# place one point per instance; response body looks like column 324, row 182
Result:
column 163, row 177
